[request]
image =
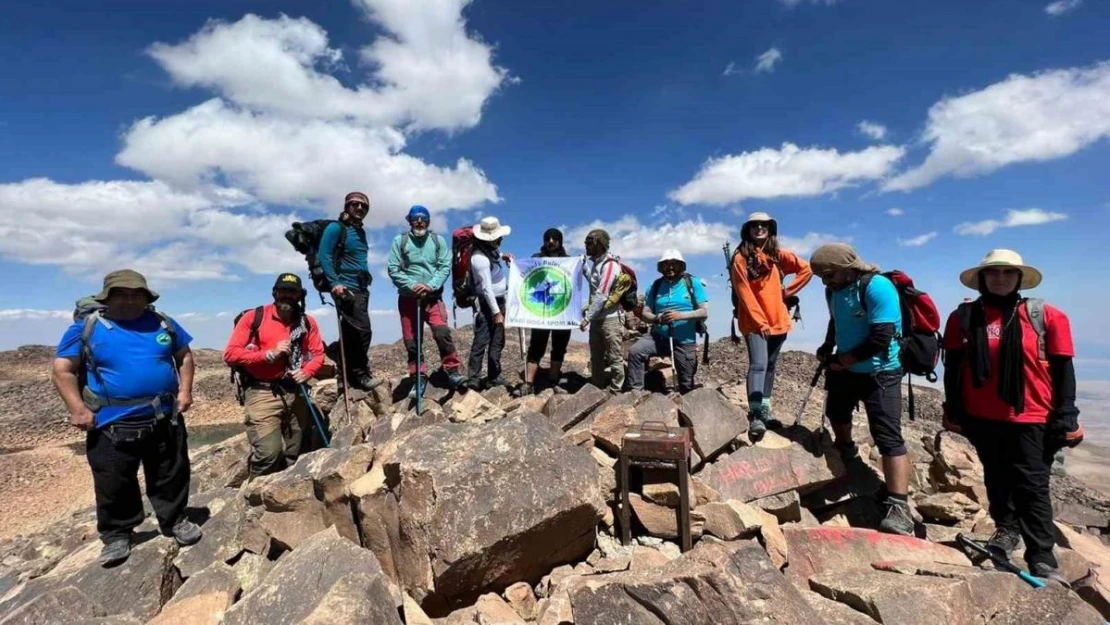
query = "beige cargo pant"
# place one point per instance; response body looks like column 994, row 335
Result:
column 275, row 426
column 606, row 354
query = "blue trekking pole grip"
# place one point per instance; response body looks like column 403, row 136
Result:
column 419, row 353
column 315, row 414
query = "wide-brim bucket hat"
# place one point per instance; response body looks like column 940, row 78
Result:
column 125, row 279
column 1031, row 277
column 670, row 255
column 772, row 225
column 490, row 229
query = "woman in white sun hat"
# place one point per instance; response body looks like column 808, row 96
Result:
column 491, row 284
column 763, row 302
column 1009, row 386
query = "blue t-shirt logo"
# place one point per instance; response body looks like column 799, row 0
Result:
column 164, row 339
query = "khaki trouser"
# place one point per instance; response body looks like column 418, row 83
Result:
column 606, row 355
column 275, row 426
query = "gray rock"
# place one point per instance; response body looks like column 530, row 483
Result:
column 61, row 605
column 755, row 472
column 722, row 584
column 567, row 410
column 251, row 569
column 1053, row 604
column 221, row 465
column 481, row 507
column 716, row 422
column 223, row 532
column 203, row 598
column 817, row 550
column 786, row 507
column 326, row 580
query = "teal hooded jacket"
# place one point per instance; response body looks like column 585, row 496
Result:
column 425, row 260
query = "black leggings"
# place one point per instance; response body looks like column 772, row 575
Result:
column 537, row 345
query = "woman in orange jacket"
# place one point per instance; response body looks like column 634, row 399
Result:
column 759, row 268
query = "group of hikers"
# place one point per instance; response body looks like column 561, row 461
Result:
column 125, row 370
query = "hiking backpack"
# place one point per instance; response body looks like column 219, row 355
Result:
column 240, row 379
column 90, row 312
column 462, row 283
column 624, row 291
column 305, row 238
column 700, row 327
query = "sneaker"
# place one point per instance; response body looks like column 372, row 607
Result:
column 186, row 533
column 1004, row 541
column 423, row 387
column 525, row 389
column 455, row 379
column 1048, row 572
column 898, row 519
column 115, row 551
column 367, row 382
column 757, row 428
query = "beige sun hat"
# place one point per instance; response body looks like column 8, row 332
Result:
column 772, row 227
column 1030, row 276
column 490, row 229
column 125, row 279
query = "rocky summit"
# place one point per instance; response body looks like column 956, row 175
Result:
column 487, row 508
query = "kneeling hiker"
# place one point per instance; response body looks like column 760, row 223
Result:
column 1009, row 386
column 865, row 317
column 276, row 348
column 675, row 304
column 419, row 264
column 125, row 373
column 491, row 284
column 757, row 272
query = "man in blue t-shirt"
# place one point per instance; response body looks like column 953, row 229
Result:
column 125, row 374
column 864, row 327
column 675, row 304
column 343, row 257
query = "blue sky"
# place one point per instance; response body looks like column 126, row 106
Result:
column 182, row 138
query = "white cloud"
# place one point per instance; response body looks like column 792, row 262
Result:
column 633, row 239
column 918, row 241
column 872, row 130
column 787, row 172
column 1014, row 218
column 730, row 69
column 285, row 131
column 807, row 244
column 765, row 63
column 1060, row 7
column 895, row 212
column 32, row 314
column 1038, row 117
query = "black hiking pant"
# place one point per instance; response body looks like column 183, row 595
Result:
column 1016, row 467
column 164, row 456
column 354, row 315
column 487, row 338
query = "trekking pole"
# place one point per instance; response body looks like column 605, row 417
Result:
column 419, row 353
column 343, row 364
column 728, row 276
column 999, row 561
column 812, row 387
column 520, row 339
column 674, row 359
column 315, row 414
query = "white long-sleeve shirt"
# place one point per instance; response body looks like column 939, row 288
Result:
column 491, row 281
column 602, row 274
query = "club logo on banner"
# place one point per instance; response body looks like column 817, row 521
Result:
column 546, row 293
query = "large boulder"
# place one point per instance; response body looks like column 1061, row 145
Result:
column 956, row 467
column 467, row 509
column 947, row 507
column 609, row 423
column 139, row 587
column 61, row 605
column 565, row 411
column 721, row 584
column 221, row 465
column 202, row 599
column 325, row 580
column 226, row 532
column 717, row 424
column 817, row 550
column 751, row 473
column 472, row 408
column 1053, row 604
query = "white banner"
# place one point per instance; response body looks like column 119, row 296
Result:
column 546, row 293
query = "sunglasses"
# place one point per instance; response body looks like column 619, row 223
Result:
column 358, row 204
column 760, row 225
column 418, row 220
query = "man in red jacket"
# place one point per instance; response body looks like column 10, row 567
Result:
column 276, row 354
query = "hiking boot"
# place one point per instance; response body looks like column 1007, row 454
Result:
column 1048, row 572
column 498, row 381
column 455, row 379
column 367, row 382
column 423, row 387
column 186, row 533
column 898, row 519
column 525, row 389
column 769, row 417
column 1004, row 541
column 757, row 427
column 115, row 551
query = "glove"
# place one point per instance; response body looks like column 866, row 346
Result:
column 824, row 353
column 952, row 421
column 1063, row 430
column 790, row 300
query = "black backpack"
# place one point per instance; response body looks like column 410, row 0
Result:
column 240, row 379
column 700, row 328
column 305, row 238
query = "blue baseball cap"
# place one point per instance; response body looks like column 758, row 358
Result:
column 418, row 211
